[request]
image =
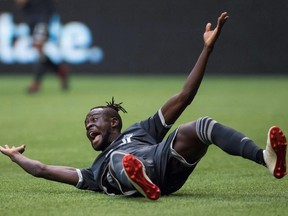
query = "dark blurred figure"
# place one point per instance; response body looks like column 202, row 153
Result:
column 37, row 14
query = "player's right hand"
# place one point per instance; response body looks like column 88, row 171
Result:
column 10, row 151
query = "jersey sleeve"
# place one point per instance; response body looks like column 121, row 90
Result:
column 156, row 126
column 86, row 180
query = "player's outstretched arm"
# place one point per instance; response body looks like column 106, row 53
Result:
column 173, row 108
column 61, row 174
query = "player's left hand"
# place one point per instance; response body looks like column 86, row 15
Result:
column 210, row 36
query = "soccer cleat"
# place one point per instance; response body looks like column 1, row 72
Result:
column 275, row 152
column 34, row 87
column 135, row 172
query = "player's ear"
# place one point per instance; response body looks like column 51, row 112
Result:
column 114, row 122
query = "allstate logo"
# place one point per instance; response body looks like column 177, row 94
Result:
column 72, row 42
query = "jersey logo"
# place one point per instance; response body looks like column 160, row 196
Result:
column 127, row 138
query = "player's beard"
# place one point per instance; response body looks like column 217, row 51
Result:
column 103, row 143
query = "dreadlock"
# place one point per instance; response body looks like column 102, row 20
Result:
column 112, row 110
column 111, row 104
column 116, row 106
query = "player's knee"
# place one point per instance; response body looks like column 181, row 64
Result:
column 188, row 144
column 204, row 126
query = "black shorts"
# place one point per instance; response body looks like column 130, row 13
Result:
column 172, row 168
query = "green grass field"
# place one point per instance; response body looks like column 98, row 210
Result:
column 51, row 125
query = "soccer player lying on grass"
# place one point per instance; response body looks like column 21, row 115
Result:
column 139, row 161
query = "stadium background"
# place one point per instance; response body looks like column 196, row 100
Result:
column 165, row 36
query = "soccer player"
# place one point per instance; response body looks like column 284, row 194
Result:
column 38, row 15
column 139, row 160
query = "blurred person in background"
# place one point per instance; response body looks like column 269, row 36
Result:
column 37, row 14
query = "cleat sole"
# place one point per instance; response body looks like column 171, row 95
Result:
column 279, row 145
column 135, row 171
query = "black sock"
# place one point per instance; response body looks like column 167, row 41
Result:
column 260, row 157
column 235, row 143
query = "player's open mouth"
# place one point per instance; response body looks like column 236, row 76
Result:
column 95, row 137
column 93, row 134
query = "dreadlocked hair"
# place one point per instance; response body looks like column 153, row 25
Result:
column 116, row 106
column 112, row 110
column 111, row 104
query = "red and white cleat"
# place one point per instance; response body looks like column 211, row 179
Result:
column 275, row 152
column 135, row 172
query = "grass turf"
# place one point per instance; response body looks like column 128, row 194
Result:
column 51, row 125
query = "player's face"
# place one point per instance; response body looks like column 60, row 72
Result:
column 98, row 129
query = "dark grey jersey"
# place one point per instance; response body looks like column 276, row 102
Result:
column 164, row 166
column 38, row 11
column 140, row 139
